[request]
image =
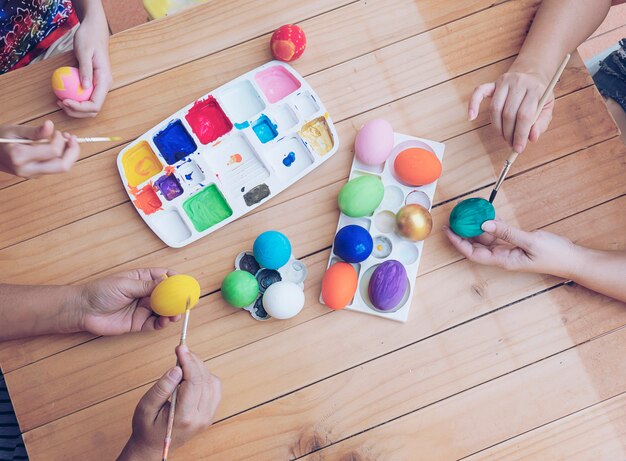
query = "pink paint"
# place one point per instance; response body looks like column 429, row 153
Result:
column 146, row 199
column 276, row 83
column 207, row 120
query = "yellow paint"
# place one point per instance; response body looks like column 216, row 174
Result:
column 140, row 164
column 58, row 82
column 318, row 135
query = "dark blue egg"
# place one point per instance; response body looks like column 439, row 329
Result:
column 353, row 244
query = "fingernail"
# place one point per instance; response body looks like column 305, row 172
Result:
column 489, row 226
column 87, row 83
column 445, row 228
column 472, row 114
column 184, row 349
column 175, row 374
column 518, row 148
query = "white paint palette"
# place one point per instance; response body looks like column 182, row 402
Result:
column 227, row 153
column 388, row 244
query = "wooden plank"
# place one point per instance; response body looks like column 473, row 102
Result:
column 596, row 432
column 307, row 353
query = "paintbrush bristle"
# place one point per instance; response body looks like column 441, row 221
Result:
column 116, row 138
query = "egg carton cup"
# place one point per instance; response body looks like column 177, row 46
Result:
column 280, row 132
column 294, row 271
column 388, row 244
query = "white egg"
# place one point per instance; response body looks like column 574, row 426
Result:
column 283, row 300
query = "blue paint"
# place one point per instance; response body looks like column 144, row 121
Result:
column 265, row 129
column 174, row 142
column 242, row 125
column 289, row 159
column 188, row 176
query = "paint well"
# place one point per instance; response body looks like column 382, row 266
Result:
column 207, row 120
column 317, row 135
column 174, row 142
column 265, row 130
column 140, row 163
column 284, row 116
column 276, row 83
column 170, row 225
column 169, row 186
column 147, row 200
column 306, row 104
column 241, row 101
column 191, row 173
column 207, row 208
column 290, row 158
column 256, row 194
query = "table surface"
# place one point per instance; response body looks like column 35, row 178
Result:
column 490, row 365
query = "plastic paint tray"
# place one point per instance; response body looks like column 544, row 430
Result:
column 381, row 225
column 227, row 153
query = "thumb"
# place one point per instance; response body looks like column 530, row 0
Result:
column 85, row 68
column 512, row 235
column 44, row 131
column 137, row 288
column 542, row 123
column 158, row 395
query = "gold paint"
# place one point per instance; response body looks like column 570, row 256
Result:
column 318, row 135
column 414, row 222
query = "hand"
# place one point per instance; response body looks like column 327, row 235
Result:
column 91, row 46
column 197, row 401
column 516, row 250
column 29, row 161
column 514, row 101
column 121, row 303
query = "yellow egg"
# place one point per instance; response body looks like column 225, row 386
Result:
column 169, row 298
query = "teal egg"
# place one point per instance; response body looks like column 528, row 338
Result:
column 361, row 196
column 469, row 215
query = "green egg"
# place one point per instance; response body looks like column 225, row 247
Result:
column 469, row 215
column 361, row 196
column 240, row 288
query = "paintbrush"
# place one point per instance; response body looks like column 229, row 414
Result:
column 47, row 141
column 513, row 155
column 170, row 418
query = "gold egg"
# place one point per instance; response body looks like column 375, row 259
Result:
column 414, row 222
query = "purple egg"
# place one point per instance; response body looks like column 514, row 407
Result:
column 388, row 285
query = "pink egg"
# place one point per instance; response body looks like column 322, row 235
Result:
column 66, row 85
column 374, row 142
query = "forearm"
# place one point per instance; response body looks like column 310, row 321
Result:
column 601, row 271
column 559, row 27
column 37, row 310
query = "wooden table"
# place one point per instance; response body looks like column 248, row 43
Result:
column 490, row 365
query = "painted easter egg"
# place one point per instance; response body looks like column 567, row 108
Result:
column 66, row 85
column 240, row 288
column 361, row 196
column 169, row 298
column 353, row 244
column 374, row 142
column 468, row 216
column 283, row 300
column 288, row 43
column 388, row 285
column 339, row 285
column 272, row 249
column 417, row 167
column 414, row 222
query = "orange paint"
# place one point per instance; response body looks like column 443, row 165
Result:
column 169, row 170
column 235, row 158
column 147, row 200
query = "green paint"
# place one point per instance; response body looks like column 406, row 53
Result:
column 207, row 208
column 240, row 288
column 469, row 215
column 361, row 196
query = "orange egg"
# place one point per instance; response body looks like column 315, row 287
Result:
column 417, row 167
column 339, row 285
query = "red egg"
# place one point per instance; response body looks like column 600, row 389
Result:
column 288, row 43
column 339, row 285
column 417, row 167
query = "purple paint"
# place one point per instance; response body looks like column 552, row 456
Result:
column 388, row 285
column 169, row 186
column 174, row 142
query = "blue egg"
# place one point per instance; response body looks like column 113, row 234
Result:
column 272, row 249
column 353, row 244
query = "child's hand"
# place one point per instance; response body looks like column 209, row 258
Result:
column 516, row 250
column 121, row 303
column 91, row 46
column 29, row 161
column 514, row 100
column 197, row 401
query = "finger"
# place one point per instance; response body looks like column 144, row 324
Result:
column 462, row 245
column 510, row 113
column 44, row 131
column 193, row 378
column 55, row 165
column 542, row 123
column 85, row 66
column 525, row 119
column 481, row 92
column 472, row 251
column 497, row 107
column 485, row 239
column 136, row 289
column 159, row 393
column 23, row 154
column 100, row 91
column 78, row 109
column 152, row 273
column 509, row 234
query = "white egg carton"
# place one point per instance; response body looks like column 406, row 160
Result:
column 293, row 271
column 381, row 226
column 238, row 171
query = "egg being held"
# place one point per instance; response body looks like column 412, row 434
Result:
column 388, row 285
column 417, row 167
column 468, row 216
column 169, row 298
column 240, row 288
column 283, row 300
column 373, row 142
column 66, row 85
column 414, row 222
column 272, row 249
column 339, row 285
column 361, row 196
column 353, row 244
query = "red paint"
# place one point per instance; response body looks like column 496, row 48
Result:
column 208, row 121
column 147, row 200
